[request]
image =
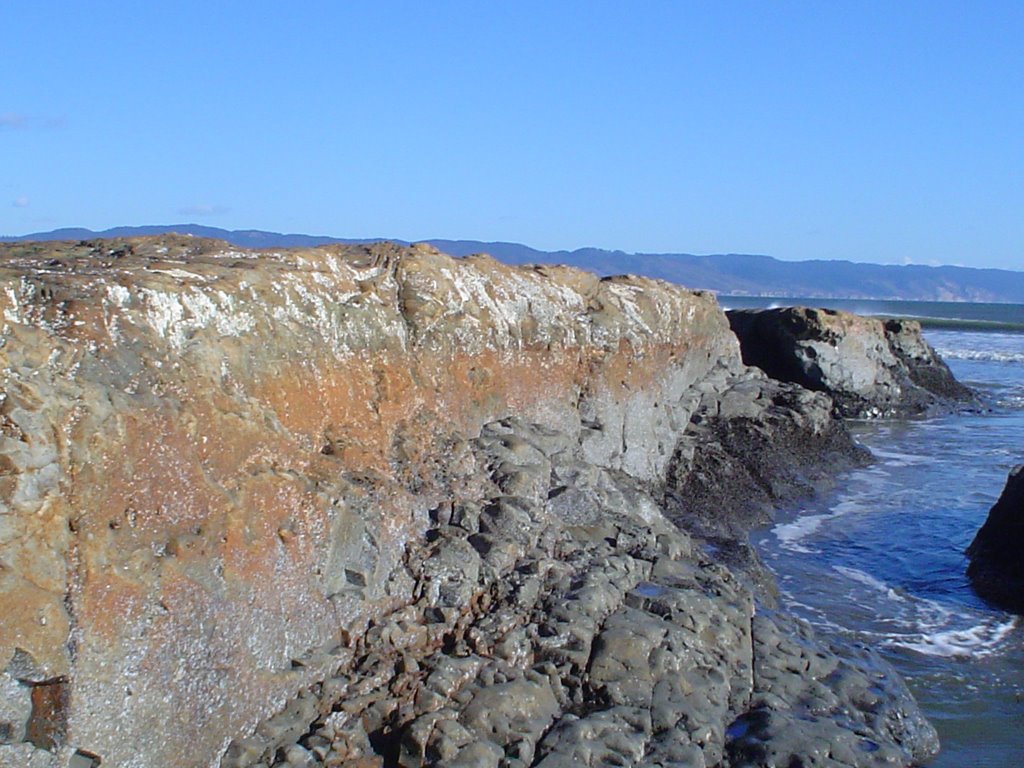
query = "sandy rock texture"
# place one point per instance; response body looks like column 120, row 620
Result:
column 869, row 366
column 996, row 568
column 376, row 506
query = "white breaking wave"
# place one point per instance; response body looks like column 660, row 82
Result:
column 897, row 459
column 869, row 581
column 931, row 627
column 982, row 639
column 791, row 534
column 987, row 355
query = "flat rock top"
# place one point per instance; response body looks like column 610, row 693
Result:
column 475, row 299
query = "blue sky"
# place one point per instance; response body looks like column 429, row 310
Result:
column 870, row 131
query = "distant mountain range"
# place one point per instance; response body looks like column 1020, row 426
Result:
column 729, row 274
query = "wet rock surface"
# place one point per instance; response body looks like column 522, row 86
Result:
column 584, row 628
column 996, row 567
column 374, row 506
column 869, row 366
column 753, row 443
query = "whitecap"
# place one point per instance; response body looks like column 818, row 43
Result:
column 984, row 355
column 870, row 581
column 977, row 641
column 897, row 459
column 791, row 534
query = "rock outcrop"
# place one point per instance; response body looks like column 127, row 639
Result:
column 375, row 506
column 869, row 366
column 996, row 567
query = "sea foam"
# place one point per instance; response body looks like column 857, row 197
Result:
column 977, row 641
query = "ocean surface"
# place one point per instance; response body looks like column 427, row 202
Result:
column 880, row 559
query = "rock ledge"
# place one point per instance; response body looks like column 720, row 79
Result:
column 375, row 506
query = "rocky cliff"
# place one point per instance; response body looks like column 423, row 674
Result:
column 376, row 506
column 871, row 367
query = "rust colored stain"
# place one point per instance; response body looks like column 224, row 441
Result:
column 48, row 724
column 207, row 455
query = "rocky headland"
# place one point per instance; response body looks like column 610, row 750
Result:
column 871, row 367
column 375, row 506
column 996, row 568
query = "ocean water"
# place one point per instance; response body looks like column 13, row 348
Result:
column 880, row 559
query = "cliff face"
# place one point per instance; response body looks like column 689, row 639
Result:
column 201, row 445
column 871, row 367
column 313, row 506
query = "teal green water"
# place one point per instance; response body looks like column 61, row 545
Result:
column 932, row 314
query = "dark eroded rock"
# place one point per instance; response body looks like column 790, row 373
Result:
column 753, row 443
column 996, row 568
column 817, row 705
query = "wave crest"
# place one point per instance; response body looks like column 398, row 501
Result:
column 986, row 355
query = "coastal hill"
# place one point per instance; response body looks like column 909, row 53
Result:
column 729, row 274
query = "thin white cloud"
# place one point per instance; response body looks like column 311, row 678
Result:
column 203, row 210
column 18, row 121
column 12, row 120
column 21, row 202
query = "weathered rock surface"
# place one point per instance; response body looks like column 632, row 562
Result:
column 376, row 506
column 752, row 444
column 869, row 366
column 578, row 627
column 996, row 568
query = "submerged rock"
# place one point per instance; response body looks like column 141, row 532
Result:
column 996, row 568
column 869, row 366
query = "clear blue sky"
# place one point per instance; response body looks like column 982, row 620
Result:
column 870, row 131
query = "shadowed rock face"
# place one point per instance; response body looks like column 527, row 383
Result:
column 378, row 504
column 996, row 569
column 870, row 367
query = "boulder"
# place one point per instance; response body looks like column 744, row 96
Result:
column 996, row 568
column 871, row 367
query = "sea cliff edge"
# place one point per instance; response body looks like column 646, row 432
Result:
column 376, row 506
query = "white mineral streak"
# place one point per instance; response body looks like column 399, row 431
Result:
column 626, row 300
column 119, row 295
column 325, row 313
column 177, row 316
column 476, row 296
column 11, row 313
column 181, row 274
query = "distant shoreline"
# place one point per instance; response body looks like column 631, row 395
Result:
column 726, row 274
column 947, row 315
